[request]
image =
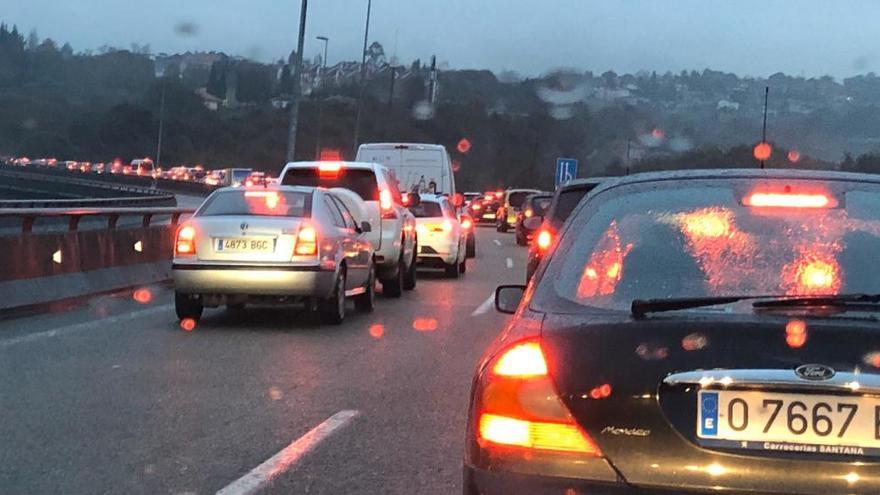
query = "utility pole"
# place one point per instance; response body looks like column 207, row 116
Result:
column 297, row 84
column 320, row 97
column 161, row 128
column 433, row 87
column 357, row 121
column 764, row 131
column 391, row 90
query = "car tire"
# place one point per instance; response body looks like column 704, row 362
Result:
column 462, row 267
column 520, row 238
column 471, row 250
column 409, row 277
column 187, row 307
column 453, row 270
column 393, row 287
column 332, row 309
column 366, row 302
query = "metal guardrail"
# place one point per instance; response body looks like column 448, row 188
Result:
column 74, row 215
column 48, row 175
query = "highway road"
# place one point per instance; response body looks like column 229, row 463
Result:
column 112, row 396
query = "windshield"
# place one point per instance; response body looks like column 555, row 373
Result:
column 260, row 203
column 713, row 238
column 427, row 209
column 363, row 182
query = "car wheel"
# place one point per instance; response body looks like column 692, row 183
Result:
column 367, row 301
column 393, row 287
column 409, row 277
column 471, row 247
column 520, row 238
column 462, row 267
column 453, row 270
column 187, row 307
column 332, row 309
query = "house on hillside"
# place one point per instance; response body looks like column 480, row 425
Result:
column 210, row 101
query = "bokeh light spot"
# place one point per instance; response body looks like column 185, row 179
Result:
column 188, row 324
column 377, row 330
column 142, row 296
column 424, row 324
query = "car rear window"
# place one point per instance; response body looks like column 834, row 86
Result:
column 540, row 204
column 708, row 238
column 567, row 201
column 516, row 199
column 261, row 203
column 362, row 182
column 427, row 209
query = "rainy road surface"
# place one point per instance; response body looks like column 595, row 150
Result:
column 111, row 396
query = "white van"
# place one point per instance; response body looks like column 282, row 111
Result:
column 424, row 168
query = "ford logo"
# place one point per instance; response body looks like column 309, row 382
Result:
column 814, row 372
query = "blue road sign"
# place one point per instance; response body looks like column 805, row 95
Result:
column 566, row 170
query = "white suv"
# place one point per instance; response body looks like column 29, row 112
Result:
column 393, row 236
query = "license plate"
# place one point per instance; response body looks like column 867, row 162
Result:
column 245, row 245
column 490, row 216
column 818, row 424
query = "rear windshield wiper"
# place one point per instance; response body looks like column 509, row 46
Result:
column 848, row 301
column 641, row 307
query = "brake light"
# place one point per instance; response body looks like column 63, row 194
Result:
column 528, row 213
column 405, row 199
column 544, row 240
column 467, row 224
column 185, row 244
column 523, row 361
column 518, row 406
column 306, row 242
column 329, row 169
column 788, row 200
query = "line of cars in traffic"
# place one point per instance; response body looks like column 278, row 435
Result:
column 144, row 167
column 327, row 232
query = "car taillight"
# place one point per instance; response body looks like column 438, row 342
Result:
column 544, row 240
column 477, row 207
column 517, row 406
column 186, row 241
column 789, row 200
column 467, row 224
column 528, row 213
column 386, row 204
column 306, row 242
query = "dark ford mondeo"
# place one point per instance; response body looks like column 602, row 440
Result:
column 693, row 332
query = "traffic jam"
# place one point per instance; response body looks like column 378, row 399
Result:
column 695, row 331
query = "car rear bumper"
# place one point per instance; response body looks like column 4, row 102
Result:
column 253, row 280
column 484, row 482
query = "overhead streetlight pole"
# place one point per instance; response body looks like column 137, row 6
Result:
column 357, row 122
column 297, row 84
column 161, row 128
column 326, row 41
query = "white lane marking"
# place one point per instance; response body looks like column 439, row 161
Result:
column 509, row 263
column 486, row 306
column 259, row 477
column 108, row 322
column 496, row 241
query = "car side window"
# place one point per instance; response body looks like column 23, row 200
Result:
column 347, row 217
column 334, row 212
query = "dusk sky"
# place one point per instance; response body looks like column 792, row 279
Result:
column 799, row 37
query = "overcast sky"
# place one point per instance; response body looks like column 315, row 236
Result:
column 754, row 37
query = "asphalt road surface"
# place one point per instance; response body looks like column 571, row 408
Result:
column 112, row 396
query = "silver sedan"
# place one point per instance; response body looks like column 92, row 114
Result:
column 284, row 244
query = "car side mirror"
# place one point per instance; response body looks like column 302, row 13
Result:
column 366, row 227
column 533, row 223
column 508, row 297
